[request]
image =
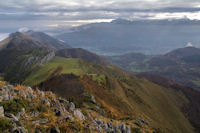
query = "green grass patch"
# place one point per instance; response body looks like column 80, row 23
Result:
column 65, row 66
column 100, row 78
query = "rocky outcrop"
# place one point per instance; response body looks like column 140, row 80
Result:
column 1, row 111
column 79, row 114
column 48, row 57
column 24, row 108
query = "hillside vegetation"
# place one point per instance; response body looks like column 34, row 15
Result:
column 96, row 87
column 30, row 111
column 123, row 96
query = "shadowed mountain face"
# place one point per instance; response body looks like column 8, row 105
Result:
column 30, row 40
column 80, row 53
column 192, row 108
column 143, row 36
column 20, row 41
column 181, row 65
column 47, row 40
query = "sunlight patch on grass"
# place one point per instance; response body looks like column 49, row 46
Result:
column 66, row 66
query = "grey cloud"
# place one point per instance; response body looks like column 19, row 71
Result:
column 45, row 12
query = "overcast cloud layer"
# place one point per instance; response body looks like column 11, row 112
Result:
column 47, row 14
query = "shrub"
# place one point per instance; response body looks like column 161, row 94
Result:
column 5, row 125
column 42, row 108
column 71, row 127
column 87, row 98
column 85, row 130
column 75, row 126
column 15, row 105
column 135, row 130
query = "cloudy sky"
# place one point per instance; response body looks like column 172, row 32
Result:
column 47, row 14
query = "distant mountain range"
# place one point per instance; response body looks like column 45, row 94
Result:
column 97, row 87
column 181, row 65
column 121, row 36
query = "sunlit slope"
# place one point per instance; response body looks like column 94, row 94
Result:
column 123, row 96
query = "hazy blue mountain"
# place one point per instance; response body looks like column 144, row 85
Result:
column 144, row 36
column 181, row 65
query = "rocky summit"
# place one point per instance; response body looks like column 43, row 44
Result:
column 24, row 110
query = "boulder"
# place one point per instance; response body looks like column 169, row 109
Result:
column 96, row 128
column 122, row 127
column 48, row 104
column 5, row 96
column 58, row 105
column 63, row 101
column 10, row 88
column 29, row 89
column 53, row 101
column 58, row 112
column 43, row 121
column 79, row 114
column 19, row 130
column 116, row 128
column 11, row 116
column 128, row 130
column 35, row 114
column 22, row 93
column 44, row 100
column 104, row 126
column 1, row 111
column 39, row 92
column 7, row 88
column 93, row 99
column 109, row 125
column 99, row 121
column 21, row 114
column 71, row 106
column 69, row 117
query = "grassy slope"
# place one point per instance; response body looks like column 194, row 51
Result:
column 52, row 67
column 142, row 99
column 122, row 95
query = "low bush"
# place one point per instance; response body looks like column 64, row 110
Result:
column 14, row 106
column 5, row 125
column 135, row 130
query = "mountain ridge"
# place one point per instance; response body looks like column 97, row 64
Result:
column 114, row 38
column 121, row 95
column 47, row 40
column 180, row 65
